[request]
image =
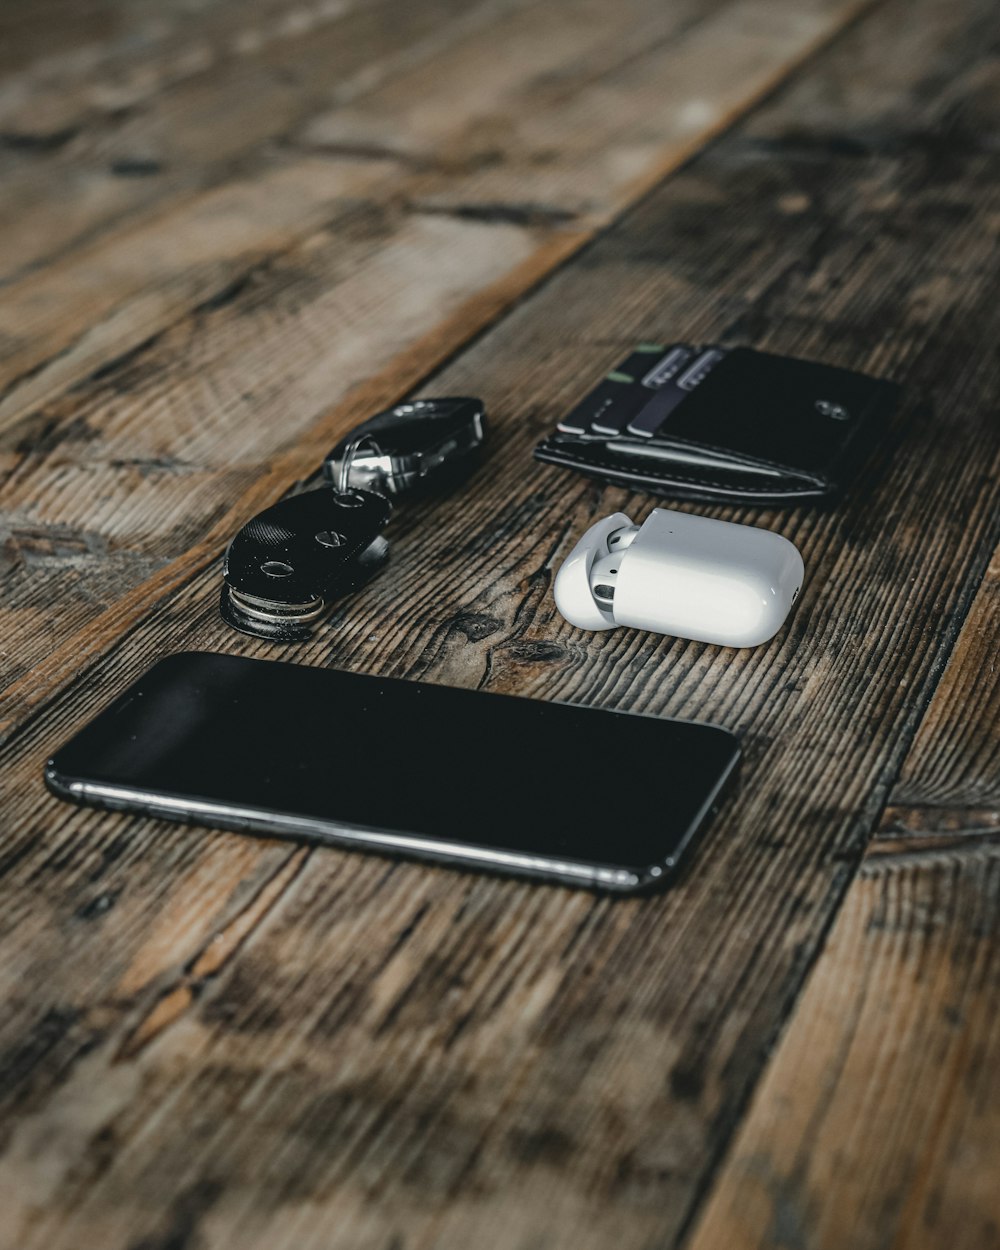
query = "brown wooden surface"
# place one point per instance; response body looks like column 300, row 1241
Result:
column 885, row 1090
column 166, row 381
column 216, row 1041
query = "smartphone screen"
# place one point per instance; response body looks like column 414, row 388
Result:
column 553, row 790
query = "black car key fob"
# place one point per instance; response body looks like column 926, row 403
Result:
column 411, row 448
column 285, row 568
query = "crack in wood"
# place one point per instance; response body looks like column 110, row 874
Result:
column 40, row 142
column 929, row 850
column 497, row 213
column 358, row 151
column 930, row 820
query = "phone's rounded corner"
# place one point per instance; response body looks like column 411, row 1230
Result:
column 632, row 882
column 726, row 738
column 654, row 879
column 732, row 740
column 56, row 782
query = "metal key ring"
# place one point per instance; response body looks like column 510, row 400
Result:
column 350, row 452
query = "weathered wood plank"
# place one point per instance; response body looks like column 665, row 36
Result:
column 190, row 106
column 248, row 340
column 247, row 110
column 878, row 1121
column 36, row 30
column 43, row 318
column 61, row 52
column 393, row 1052
column 149, row 490
column 66, row 63
column 124, row 62
column 884, row 1090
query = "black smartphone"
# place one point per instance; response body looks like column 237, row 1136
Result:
column 552, row 790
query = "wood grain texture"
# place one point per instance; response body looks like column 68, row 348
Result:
column 521, row 89
column 878, row 1122
column 70, row 65
column 193, row 104
column 213, row 1041
column 169, row 381
column 885, row 1089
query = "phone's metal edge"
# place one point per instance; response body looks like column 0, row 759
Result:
column 654, row 874
column 255, row 820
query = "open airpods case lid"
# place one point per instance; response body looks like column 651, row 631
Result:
column 572, row 591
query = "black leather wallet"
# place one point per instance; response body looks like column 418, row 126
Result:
column 722, row 424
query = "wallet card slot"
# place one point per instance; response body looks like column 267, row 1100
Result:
column 622, row 391
column 676, row 455
column 673, row 391
column 734, row 423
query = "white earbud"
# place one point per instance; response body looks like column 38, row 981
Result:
column 680, row 574
column 604, row 570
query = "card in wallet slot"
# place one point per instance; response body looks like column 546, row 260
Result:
column 719, row 423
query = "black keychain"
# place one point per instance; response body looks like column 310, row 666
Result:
column 287, row 566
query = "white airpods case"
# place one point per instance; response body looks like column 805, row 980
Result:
column 681, row 574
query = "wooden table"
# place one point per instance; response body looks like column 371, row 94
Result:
column 232, row 229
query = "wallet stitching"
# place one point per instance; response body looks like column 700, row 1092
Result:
column 715, row 489
column 595, row 462
column 789, row 470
